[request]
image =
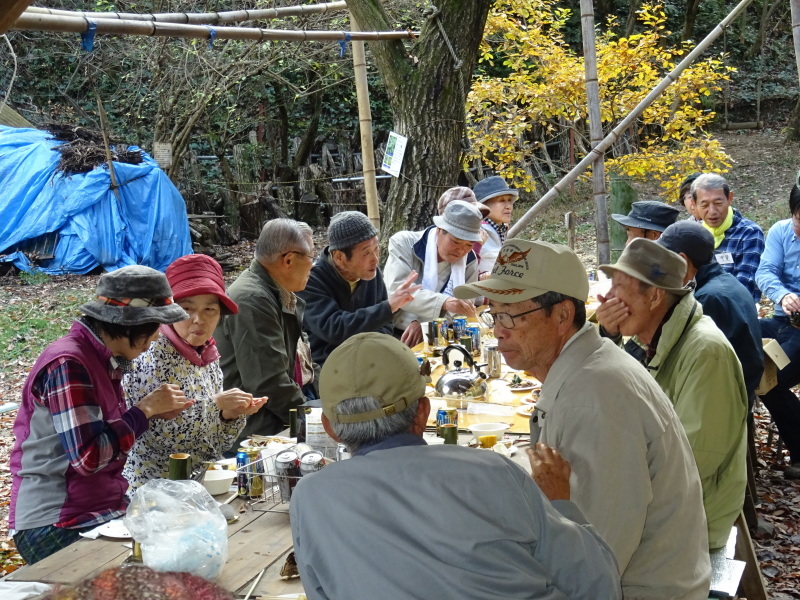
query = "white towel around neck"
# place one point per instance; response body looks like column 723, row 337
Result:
column 430, row 278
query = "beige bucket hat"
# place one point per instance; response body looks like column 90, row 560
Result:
column 653, row 264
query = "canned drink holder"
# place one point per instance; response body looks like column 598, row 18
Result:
column 277, row 488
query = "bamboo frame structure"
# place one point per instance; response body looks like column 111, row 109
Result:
column 209, row 18
column 595, row 131
column 365, row 128
column 57, row 23
column 607, row 141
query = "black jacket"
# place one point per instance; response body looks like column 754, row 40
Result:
column 333, row 314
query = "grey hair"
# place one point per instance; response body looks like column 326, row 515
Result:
column 550, row 299
column 355, row 435
column 710, row 181
column 280, row 236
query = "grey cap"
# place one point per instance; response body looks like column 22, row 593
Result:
column 134, row 295
column 491, row 187
column 348, row 229
column 649, row 214
column 462, row 220
column 652, row 264
column 691, row 239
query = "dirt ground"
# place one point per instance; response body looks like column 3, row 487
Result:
column 763, row 171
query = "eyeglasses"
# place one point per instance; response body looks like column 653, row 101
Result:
column 311, row 256
column 505, row 319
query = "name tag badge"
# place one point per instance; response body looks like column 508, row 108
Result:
column 724, row 258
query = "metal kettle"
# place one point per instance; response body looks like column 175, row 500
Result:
column 461, row 380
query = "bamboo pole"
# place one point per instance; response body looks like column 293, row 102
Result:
column 43, row 22
column 365, row 128
column 209, row 18
column 606, row 143
column 595, row 132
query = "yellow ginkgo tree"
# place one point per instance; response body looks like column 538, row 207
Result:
column 523, row 124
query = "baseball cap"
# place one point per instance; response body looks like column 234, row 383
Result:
column 370, row 364
column 526, row 269
column 692, row 239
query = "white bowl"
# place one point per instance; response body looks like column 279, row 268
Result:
column 497, row 429
column 218, row 481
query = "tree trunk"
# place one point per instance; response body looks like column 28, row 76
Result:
column 767, row 11
column 794, row 124
column 692, row 8
column 427, row 91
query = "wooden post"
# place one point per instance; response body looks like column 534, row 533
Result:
column 569, row 223
column 607, row 141
column 10, row 10
column 365, row 128
column 595, row 132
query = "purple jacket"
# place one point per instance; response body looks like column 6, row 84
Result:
column 47, row 489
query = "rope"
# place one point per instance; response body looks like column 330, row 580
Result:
column 457, row 64
column 87, row 37
column 212, row 35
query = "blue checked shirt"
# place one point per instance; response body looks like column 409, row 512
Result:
column 779, row 271
column 745, row 241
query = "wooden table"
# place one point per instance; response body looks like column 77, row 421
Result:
column 259, row 539
column 499, row 394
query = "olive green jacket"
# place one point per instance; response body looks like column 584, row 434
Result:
column 698, row 370
column 258, row 349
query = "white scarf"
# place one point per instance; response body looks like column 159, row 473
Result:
column 430, row 277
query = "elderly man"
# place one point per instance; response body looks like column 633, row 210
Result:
column 685, row 197
column 402, row 519
column 722, row 296
column 443, row 258
column 258, row 345
column 738, row 241
column 345, row 294
column 633, row 473
column 647, row 219
column 693, row 363
column 777, row 276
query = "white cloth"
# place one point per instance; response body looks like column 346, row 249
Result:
column 22, row 590
column 430, row 279
column 635, row 476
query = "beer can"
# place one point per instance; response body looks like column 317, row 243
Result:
column 255, row 473
column 433, row 333
column 311, row 462
column 459, row 327
column 466, row 341
column 242, row 480
column 441, row 332
column 302, row 449
column 342, row 453
column 287, row 470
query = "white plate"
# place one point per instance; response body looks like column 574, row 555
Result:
column 523, row 388
column 114, row 529
column 528, row 400
column 526, row 410
column 274, row 440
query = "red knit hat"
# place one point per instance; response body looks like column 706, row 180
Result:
column 196, row 274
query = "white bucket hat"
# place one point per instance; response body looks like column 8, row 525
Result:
column 462, row 220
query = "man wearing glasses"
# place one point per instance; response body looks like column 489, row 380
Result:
column 259, row 346
column 633, row 474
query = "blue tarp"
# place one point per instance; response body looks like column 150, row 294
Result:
column 146, row 225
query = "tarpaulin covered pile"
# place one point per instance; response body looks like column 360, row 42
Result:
column 145, row 225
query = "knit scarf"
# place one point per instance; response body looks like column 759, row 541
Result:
column 500, row 228
column 200, row 357
column 719, row 232
column 430, row 276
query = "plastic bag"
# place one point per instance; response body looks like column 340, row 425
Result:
column 180, row 528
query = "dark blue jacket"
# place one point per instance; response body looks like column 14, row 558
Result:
column 731, row 307
column 333, row 314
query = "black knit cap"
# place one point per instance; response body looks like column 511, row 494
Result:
column 348, row 229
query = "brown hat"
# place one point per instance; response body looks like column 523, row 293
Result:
column 652, row 264
column 461, row 193
column 134, row 295
column 196, row 274
column 525, row 270
column 370, row 364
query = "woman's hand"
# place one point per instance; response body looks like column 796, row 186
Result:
column 234, row 402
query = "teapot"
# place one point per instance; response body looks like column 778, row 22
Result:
column 461, row 380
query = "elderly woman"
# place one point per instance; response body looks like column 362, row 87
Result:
column 494, row 193
column 73, row 431
column 186, row 355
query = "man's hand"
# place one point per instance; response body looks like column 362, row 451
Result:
column 611, row 313
column 550, row 471
column 790, row 303
column 412, row 335
column 459, row 307
column 405, row 293
column 234, row 403
column 167, row 402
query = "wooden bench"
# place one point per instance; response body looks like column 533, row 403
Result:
column 735, row 572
